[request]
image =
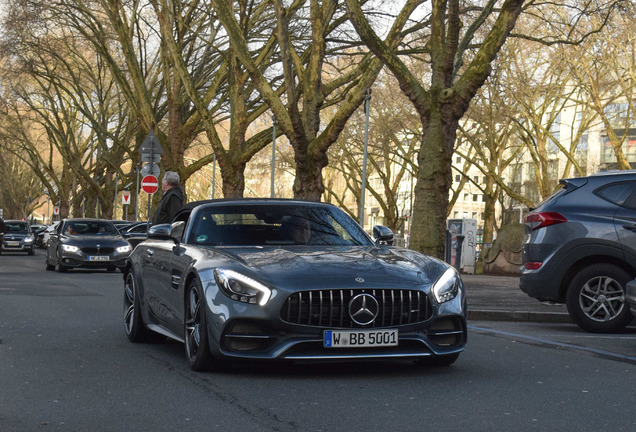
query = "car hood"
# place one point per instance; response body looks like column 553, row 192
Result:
column 336, row 267
column 102, row 240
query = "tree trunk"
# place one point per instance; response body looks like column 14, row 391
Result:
column 308, row 184
column 233, row 180
column 428, row 229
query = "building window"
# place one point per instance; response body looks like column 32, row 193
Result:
column 458, row 178
column 458, row 159
column 475, row 197
column 465, row 196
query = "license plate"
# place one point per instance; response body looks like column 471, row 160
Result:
column 359, row 338
column 99, row 258
column 12, row 243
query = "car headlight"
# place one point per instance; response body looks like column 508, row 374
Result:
column 447, row 286
column 28, row 239
column 69, row 248
column 242, row 288
column 124, row 249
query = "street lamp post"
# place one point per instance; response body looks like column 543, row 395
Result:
column 137, row 171
column 367, row 100
column 273, row 155
column 213, row 174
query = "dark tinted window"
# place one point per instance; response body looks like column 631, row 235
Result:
column 263, row 225
column 617, row 193
column 630, row 203
column 90, row 228
column 18, row 227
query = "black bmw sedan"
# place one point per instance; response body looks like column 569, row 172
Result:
column 289, row 280
column 87, row 243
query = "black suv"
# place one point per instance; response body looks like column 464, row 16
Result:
column 580, row 249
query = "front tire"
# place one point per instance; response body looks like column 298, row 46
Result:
column 596, row 298
column 136, row 330
column 195, row 329
column 49, row 267
column 61, row 268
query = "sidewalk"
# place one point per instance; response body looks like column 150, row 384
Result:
column 498, row 298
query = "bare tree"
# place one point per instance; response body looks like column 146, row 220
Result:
column 308, row 34
column 463, row 39
column 604, row 70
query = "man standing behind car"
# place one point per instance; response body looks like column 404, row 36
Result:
column 3, row 229
column 172, row 199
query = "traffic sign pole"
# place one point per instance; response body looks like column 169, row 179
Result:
column 150, row 185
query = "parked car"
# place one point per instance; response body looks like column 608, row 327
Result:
column 88, row 243
column 630, row 296
column 35, row 228
column 119, row 224
column 17, row 237
column 580, row 249
column 289, row 280
column 43, row 236
column 135, row 233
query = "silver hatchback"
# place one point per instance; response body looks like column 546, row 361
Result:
column 18, row 237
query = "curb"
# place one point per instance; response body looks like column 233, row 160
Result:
column 519, row 316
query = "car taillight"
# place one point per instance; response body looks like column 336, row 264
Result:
column 544, row 219
column 532, row 265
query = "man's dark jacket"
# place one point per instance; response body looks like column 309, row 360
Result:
column 171, row 202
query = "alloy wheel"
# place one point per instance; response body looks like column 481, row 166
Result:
column 129, row 303
column 602, row 299
column 193, row 323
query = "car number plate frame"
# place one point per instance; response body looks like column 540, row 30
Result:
column 99, row 258
column 13, row 243
column 360, row 338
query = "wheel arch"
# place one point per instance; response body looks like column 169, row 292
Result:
column 589, row 260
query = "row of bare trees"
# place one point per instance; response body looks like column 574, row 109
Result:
column 84, row 82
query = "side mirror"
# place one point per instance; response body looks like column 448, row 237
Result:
column 161, row 232
column 383, row 235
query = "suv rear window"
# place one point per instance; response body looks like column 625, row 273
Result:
column 616, row 193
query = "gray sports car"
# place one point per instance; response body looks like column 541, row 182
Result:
column 289, row 280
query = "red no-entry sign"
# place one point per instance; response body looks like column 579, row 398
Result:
column 150, row 184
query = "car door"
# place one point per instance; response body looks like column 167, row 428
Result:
column 178, row 260
column 163, row 265
column 625, row 222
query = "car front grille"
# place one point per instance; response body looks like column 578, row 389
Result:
column 101, row 250
column 330, row 308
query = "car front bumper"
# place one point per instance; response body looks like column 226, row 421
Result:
column 73, row 260
column 254, row 332
column 16, row 246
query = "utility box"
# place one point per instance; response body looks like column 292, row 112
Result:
column 466, row 229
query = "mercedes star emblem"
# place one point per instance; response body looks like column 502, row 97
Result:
column 363, row 309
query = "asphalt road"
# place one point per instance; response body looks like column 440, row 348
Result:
column 66, row 365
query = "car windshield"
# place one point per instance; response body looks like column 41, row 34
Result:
column 90, row 228
column 18, row 227
column 271, row 225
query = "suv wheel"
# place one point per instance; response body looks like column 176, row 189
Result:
column 596, row 298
